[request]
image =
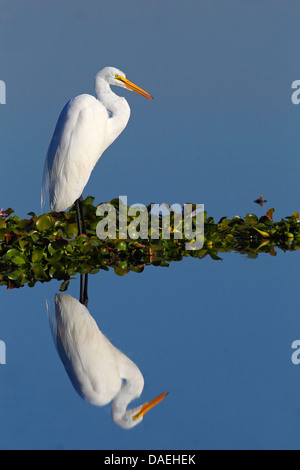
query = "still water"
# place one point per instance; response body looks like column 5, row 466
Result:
column 223, row 128
column 217, row 335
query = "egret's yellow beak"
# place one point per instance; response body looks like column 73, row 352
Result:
column 133, row 87
column 147, row 406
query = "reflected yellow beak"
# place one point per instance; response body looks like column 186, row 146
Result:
column 134, row 87
column 147, row 406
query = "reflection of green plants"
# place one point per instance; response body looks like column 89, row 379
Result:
column 47, row 247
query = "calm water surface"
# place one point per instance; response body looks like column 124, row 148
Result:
column 216, row 334
column 222, row 129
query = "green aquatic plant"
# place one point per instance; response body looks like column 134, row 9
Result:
column 45, row 247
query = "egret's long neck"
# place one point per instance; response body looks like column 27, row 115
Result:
column 129, row 391
column 117, row 106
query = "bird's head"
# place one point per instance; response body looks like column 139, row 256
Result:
column 114, row 76
column 134, row 416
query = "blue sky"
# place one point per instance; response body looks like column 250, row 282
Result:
column 221, row 131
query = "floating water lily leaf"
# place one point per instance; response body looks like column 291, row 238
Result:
column 15, row 275
column 11, row 253
column 214, row 255
column 251, row 219
column 121, row 271
column 273, row 252
column 64, row 285
column 137, row 269
column 264, row 243
column 88, row 201
column 44, row 222
column 71, row 229
column 8, row 211
column 37, row 255
column 270, row 214
column 263, row 234
column 22, row 243
column 39, row 272
column 56, row 256
column 51, row 249
column 18, row 260
column 122, row 246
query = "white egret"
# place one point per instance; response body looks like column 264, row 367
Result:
column 95, row 367
column 85, row 128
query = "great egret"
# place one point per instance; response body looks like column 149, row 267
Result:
column 95, row 367
column 85, row 128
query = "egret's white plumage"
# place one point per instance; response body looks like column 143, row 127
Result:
column 85, row 128
column 95, row 367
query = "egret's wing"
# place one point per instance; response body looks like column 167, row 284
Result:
column 51, row 153
column 87, row 355
column 77, row 144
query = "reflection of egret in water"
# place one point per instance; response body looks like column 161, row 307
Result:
column 95, row 367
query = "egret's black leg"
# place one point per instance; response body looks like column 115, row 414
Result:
column 84, row 289
column 78, row 216
column 82, row 215
column 81, row 296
